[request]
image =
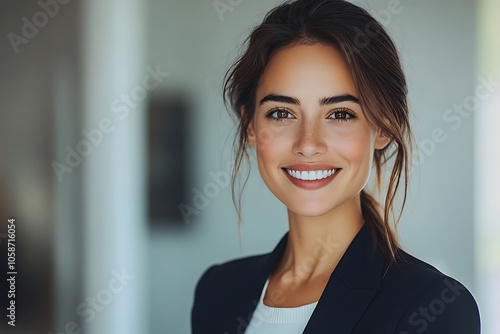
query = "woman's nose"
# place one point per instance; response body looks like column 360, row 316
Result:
column 310, row 140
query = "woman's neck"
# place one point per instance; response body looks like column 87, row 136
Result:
column 316, row 244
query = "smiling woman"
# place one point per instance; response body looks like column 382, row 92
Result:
column 321, row 111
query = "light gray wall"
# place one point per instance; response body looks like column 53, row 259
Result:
column 437, row 41
column 437, row 44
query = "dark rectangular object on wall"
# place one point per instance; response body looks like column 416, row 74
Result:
column 167, row 181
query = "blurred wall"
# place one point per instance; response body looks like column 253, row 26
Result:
column 38, row 80
column 75, row 189
column 197, row 45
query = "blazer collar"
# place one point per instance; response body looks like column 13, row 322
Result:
column 349, row 291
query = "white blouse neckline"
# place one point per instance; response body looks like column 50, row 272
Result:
column 283, row 315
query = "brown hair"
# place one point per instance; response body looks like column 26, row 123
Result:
column 377, row 75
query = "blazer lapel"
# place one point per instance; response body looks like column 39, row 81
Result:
column 350, row 289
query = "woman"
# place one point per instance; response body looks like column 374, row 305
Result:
column 321, row 97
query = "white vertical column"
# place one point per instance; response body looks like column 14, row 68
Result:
column 487, row 169
column 114, row 95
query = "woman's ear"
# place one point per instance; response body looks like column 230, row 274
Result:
column 251, row 137
column 381, row 141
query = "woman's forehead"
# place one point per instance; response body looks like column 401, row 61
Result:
column 307, row 70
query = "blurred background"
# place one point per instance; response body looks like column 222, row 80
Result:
column 115, row 154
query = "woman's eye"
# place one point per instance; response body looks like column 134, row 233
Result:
column 342, row 115
column 279, row 114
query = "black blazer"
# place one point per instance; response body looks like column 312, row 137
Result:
column 413, row 297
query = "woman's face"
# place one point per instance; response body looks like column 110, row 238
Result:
column 308, row 123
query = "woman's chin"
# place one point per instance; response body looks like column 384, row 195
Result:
column 309, row 210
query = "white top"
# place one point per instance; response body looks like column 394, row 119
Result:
column 279, row 320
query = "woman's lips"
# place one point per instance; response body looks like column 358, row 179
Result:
column 311, row 178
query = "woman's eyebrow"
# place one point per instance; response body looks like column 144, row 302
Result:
column 322, row 102
column 337, row 99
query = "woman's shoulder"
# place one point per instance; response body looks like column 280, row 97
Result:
column 427, row 297
column 226, row 273
column 410, row 273
column 219, row 283
column 409, row 270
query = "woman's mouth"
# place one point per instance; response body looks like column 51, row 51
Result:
column 310, row 175
column 311, row 179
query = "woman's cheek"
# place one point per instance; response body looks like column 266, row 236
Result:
column 353, row 147
column 270, row 138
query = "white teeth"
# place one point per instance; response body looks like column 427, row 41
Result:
column 311, row 175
